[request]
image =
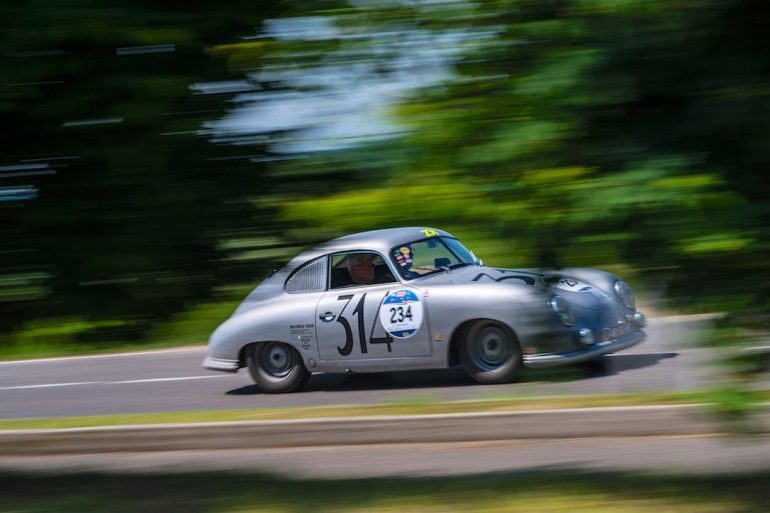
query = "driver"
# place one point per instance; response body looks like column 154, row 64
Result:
column 361, row 268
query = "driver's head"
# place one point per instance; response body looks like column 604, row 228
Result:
column 361, row 267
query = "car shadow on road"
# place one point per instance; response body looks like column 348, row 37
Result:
column 607, row 366
column 625, row 362
column 325, row 382
column 456, row 377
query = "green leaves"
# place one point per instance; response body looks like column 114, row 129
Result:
column 570, row 123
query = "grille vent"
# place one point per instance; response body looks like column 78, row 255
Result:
column 310, row 278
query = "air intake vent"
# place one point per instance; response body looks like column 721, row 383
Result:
column 309, row 278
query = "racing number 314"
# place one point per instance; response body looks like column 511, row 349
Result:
column 359, row 312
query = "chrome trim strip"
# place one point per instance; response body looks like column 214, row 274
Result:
column 220, row 364
column 555, row 359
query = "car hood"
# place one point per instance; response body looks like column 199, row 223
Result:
column 576, row 291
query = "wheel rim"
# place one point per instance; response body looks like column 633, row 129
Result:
column 276, row 360
column 491, row 348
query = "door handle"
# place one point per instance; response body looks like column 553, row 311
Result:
column 327, row 317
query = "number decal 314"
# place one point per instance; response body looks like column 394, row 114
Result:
column 359, row 312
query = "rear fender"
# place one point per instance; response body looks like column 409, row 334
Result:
column 276, row 321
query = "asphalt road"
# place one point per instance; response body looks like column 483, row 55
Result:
column 174, row 380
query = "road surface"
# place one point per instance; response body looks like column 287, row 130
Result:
column 174, row 380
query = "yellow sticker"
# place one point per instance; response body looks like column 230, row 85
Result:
column 429, row 232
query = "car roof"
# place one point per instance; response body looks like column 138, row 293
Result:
column 375, row 240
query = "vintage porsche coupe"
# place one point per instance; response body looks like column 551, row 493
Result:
column 416, row 298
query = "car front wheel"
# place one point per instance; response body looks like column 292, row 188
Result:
column 276, row 367
column 490, row 352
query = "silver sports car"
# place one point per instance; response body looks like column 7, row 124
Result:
column 416, row 298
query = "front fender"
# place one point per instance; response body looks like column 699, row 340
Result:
column 522, row 308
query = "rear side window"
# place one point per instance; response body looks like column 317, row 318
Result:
column 311, row 277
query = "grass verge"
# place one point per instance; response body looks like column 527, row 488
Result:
column 417, row 405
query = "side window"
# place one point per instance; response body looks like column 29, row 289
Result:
column 358, row 268
column 311, row 277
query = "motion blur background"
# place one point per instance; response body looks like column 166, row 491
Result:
column 158, row 158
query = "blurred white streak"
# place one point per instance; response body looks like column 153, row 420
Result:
column 136, row 50
column 224, row 86
column 83, row 122
column 18, row 193
column 23, row 167
column 28, row 173
column 25, row 170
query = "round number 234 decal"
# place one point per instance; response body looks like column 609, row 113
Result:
column 401, row 314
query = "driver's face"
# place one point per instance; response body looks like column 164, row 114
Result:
column 361, row 268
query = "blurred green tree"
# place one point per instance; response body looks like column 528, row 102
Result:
column 115, row 210
column 571, row 132
column 553, row 132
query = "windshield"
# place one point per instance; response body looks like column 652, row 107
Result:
column 430, row 255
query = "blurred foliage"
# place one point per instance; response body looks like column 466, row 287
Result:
column 127, row 207
column 742, row 338
column 553, row 132
column 542, row 490
column 588, row 131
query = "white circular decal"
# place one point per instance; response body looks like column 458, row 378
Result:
column 401, row 313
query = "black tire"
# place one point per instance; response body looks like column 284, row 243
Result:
column 490, row 352
column 276, row 367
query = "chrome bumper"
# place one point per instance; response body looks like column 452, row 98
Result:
column 589, row 353
column 220, row 364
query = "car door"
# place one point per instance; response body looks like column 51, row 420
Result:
column 370, row 321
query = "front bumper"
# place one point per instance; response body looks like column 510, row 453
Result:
column 538, row 361
column 221, row 364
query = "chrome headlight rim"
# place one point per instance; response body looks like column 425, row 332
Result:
column 626, row 294
column 586, row 336
column 562, row 309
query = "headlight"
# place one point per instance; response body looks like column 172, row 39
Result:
column 625, row 294
column 586, row 336
column 562, row 309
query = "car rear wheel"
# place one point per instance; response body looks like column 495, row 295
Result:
column 276, row 367
column 490, row 352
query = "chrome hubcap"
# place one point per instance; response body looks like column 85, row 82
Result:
column 276, row 360
column 491, row 349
